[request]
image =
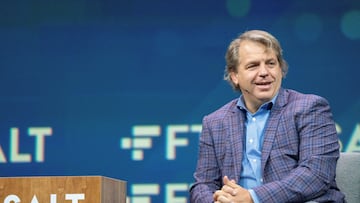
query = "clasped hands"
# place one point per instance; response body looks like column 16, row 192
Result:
column 232, row 193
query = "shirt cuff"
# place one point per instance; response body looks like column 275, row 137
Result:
column 254, row 196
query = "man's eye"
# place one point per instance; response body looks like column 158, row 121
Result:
column 272, row 63
column 251, row 66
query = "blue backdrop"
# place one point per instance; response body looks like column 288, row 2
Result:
column 119, row 88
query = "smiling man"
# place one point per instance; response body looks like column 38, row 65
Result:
column 271, row 144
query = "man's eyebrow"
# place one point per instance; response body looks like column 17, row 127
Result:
column 251, row 61
column 271, row 59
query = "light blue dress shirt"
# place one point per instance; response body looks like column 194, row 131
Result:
column 250, row 175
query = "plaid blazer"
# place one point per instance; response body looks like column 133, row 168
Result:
column 299, row 153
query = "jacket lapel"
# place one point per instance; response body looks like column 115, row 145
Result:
column 271, row 126
column 237, row 135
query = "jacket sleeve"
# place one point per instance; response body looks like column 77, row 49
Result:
column 207, row 174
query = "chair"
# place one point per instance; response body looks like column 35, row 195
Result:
column 348, row 176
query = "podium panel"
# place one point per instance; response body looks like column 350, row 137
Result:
column 59, row 189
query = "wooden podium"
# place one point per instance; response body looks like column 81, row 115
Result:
column 62, row 189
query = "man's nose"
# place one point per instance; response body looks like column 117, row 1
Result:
column 263, row 71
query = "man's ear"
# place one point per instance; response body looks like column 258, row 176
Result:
column 234, row 78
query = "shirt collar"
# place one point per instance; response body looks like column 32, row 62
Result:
column 268, row 105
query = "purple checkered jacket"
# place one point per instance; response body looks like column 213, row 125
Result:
column 299, row 154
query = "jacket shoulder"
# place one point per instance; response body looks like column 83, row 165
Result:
column 223, row 111
column 291, row 97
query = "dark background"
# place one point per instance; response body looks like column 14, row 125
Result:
column 92, row 70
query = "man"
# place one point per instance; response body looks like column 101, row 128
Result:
column 270, row 145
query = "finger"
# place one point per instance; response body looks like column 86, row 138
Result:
column 230, row 183
column 224, row 199
column 225, row 180
column 230, row 190
column 227, row 189
column 216, row 195
column 219, row 193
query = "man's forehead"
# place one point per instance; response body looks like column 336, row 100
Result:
column 247, row 54
column 246, row 43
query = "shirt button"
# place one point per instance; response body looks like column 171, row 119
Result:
column 253, row 119
column 254, row 160
column 251, row 140
column 261, row 180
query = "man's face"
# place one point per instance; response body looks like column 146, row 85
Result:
column 258, row 74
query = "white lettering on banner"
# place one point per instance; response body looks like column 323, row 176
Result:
column 339, row 130
column 143, row 134
column 172, row 141
column 170, row 192
column 40, row 134
column 2, row 156
column 75, row 197
column 34, row 199
column 141, row 193
column 12, row 198
column 53, row 198
column 354, row 143
column 15, row 156
column 142, row 140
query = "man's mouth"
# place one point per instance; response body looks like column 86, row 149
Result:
column 263, row 83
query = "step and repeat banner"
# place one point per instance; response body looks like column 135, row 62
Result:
column 119, row 88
